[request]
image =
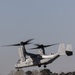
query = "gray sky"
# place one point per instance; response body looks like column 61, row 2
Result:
column 48, row 21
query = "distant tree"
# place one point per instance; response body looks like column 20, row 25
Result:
column 73, row 73
column 45, row 72
column 28, row 73
column 62, row 73
column 20, row 72
column 35, row 72
column 69, row 73
column 55, row 74
column 12, row 72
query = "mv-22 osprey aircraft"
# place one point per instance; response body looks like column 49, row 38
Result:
column 29, row 59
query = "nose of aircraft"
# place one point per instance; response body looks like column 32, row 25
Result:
column 16, row 66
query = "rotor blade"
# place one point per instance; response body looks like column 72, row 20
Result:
column 26, row 42
column 37, row 44
column 19, row 44
column 51, row 45
column 43, row 46
column 11, row 45
column 29, row 40
column 33, row 48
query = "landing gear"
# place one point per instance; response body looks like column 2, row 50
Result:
column 18, row 70
column 39, row 65
column 45, row 66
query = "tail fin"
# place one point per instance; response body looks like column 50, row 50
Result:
column 61, row 49
column 21, row 54
column 69, row 51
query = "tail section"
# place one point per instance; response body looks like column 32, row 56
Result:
column 61, row 50
column 69, row 51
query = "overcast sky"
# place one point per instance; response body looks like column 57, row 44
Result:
column 47, row 21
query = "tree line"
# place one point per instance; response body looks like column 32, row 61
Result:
column 41, row 72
